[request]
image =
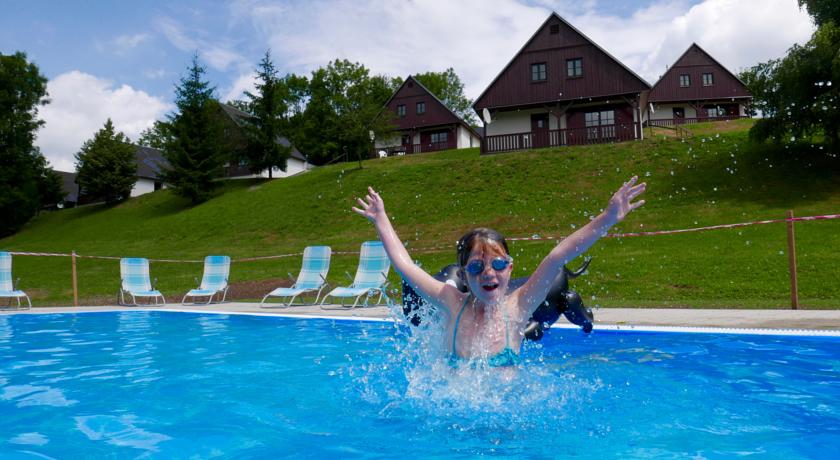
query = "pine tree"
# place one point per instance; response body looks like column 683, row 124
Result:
column 195, row 147
column 269, row 108
column 105, row 166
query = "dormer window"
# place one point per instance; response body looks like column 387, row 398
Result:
column 574, row 67
column 538, row 72
column 685, row 81
column 708, row 79
column 401, row 111
column 421, row 108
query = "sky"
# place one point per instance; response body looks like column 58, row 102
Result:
column 122, row 60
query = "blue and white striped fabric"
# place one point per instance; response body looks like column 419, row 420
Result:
column 134, row 272
column 373, row 266
column 312, row 277
column 216, row 274
column 371, row 275
column 7, row 285
column 214, row 280
column 314, row 268
column 313, row 272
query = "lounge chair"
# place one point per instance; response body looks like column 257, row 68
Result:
column 214, row 281
column 7, row 287
column 312, row 277
column 134, row 275
column 371, row 276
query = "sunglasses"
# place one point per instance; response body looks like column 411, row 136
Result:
column 476, row 266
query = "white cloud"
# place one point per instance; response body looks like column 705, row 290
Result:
column 245, row 82
column 218, row 56
column 478, row 37
column 125, row 42
column 80, row 104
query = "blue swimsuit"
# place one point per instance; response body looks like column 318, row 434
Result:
column 506, row 357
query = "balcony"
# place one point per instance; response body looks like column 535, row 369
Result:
column 559, row 137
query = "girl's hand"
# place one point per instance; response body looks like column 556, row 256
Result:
column 620, row 203
column 372, row 207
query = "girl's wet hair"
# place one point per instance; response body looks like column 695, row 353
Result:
column 478, row 236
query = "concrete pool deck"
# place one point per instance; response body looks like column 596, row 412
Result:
column 827, row 320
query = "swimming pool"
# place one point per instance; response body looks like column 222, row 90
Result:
column 178, row 385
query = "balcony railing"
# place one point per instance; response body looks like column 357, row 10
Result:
column 669, row 122
column 559, row 137
column 410, row 149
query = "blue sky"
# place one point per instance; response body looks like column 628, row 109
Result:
column 121, row 59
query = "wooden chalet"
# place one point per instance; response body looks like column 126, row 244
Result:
column 561, row 88
column 424, row 123
column 697, row 88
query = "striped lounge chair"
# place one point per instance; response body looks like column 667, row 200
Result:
column 214, row 281
column 371, row 276
column 312, row 277
column 134, row 275
column 7, row 287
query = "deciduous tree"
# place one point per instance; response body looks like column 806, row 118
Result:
column 22, row 90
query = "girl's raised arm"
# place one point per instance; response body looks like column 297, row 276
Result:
column 533, row 292
column 438, row 293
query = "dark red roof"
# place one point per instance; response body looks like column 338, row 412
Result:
column 694, row 62
column 555, row 42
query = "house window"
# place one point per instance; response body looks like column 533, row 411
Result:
column 715, row 112
column 421, row 108
column 708, row 79
column 600, row 124
column 401, row 111
column 574, row 67
column 440, row 137
column 538, row 72
column 685, row 81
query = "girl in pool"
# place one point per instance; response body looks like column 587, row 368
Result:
column 487, row 322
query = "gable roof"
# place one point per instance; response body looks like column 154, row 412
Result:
column 239, row 117
column 69, row 186
column 149, row 161
column 660, row 89
column 644, row 85
column 405, row 84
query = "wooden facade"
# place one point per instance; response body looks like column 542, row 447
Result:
column 561, row 88
column 697, row 88
column 424, row 123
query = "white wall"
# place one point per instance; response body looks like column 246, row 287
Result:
column 520, row 122
column 466, row 138
column 666, row 112
column 142, row 187
column 293, row 166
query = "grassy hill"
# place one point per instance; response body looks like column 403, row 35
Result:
column 715, row 177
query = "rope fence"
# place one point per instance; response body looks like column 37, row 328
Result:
column 790, row 220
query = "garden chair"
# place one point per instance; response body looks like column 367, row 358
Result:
column 371, row 276
column 312, row 277
column 7, row 287
column 214, row 281
column 134, row 275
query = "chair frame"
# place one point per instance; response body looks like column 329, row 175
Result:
column 209, row 296
column 153, row 293
column 17, row 297
column 291, row 301
column 367, row 293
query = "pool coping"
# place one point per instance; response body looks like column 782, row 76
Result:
column 823, row 323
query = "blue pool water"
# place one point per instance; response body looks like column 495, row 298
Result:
column 180, row 385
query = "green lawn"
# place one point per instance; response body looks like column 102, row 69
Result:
column 715, row 177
